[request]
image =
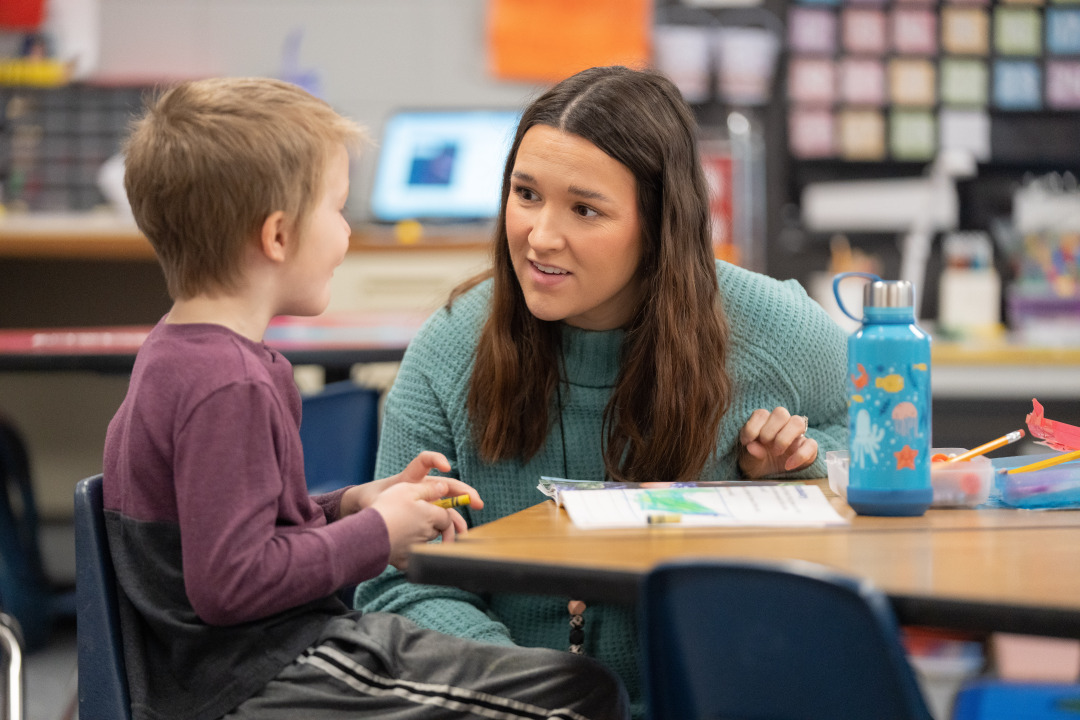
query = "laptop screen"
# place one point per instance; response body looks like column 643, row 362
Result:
column 442, row 164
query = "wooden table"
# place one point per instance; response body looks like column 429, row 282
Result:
column 983, row 570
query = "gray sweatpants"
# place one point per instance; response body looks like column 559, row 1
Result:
column 382, row 665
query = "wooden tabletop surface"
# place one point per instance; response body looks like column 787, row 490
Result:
column 1004, row 569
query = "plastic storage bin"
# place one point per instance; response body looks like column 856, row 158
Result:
column 963, row 484
column 1053, row 487
column 1041, row 318
column 994, row 700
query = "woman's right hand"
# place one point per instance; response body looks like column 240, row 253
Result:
column 775, row 442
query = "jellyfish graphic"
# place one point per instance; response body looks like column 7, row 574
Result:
column 905, row 418
column 866, row 440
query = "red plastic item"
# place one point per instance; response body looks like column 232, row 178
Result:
column 21, row 14
column 1058, row 435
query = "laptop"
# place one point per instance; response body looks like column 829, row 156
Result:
column 442, row 165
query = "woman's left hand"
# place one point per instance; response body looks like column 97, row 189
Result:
column 775, row 442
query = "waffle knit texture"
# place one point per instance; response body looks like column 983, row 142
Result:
column 784, row 351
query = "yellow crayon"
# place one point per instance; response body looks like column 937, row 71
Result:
column 663, row 518
column 452, row 502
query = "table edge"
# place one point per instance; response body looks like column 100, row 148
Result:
column 622, row 587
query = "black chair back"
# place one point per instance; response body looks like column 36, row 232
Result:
column 103, row 687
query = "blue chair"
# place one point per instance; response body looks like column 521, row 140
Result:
column 25, row 593
column 339, row 428
column 103, row 688
column 754, row 641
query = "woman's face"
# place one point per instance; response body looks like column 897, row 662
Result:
column 574, row 232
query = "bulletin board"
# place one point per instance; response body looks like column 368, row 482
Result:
column 896, row 80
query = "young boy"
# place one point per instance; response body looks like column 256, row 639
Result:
column 227, row 568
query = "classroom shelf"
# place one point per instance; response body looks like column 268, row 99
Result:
column 106, row 236
column 1004, row 370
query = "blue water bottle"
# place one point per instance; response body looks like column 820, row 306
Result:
column 888, row 402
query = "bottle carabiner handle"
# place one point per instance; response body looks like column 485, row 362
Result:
column 836, row 290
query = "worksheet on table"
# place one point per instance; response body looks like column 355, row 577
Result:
column 779, row 504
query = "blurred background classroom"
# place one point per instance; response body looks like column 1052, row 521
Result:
column 932, row 141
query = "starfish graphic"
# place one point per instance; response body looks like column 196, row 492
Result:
column 906, row 458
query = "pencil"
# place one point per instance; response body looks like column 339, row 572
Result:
column 452, row 502
column 1049, row 462
column 987, row 447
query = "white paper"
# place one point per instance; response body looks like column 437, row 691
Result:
column 794, row 505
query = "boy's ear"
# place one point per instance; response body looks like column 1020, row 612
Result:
column 276, row 236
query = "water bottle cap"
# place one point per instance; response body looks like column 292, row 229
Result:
column 889, row 293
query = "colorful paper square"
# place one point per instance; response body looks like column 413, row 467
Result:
column 862, row 135
column 912, row 81
column 1063, row 31
column 1017, row 31
column 964, row 81
column 967, row 130
column 862, row 81
column 863, row 31
column 1034, row 3
column 965, row 30
column 912, row 135
column 812, row 133
column 1017, row 85
column 812, row 30
column 812, row 80
column 1063, row 85
column 914, row 31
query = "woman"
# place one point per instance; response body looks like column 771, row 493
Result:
column 606, row 343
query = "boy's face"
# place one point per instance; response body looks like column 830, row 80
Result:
column 323, row 242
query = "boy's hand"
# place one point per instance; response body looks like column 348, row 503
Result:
column 410, row 517
column 359, row 497
column 775, row 442
column 405, row 503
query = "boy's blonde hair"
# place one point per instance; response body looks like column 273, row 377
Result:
column 211, row 159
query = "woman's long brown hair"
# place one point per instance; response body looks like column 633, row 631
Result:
column 672, row 387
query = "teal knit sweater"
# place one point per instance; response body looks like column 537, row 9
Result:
column 784, row 351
